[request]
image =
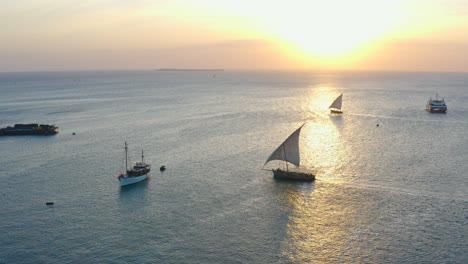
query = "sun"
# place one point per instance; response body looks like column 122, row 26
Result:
column 332, row 29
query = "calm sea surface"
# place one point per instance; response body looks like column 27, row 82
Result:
column 393, row 193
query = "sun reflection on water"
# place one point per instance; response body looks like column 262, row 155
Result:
column 322, row 148
column 319, row 225
column 319, row 99
column 321, row 218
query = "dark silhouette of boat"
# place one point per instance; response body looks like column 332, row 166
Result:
column 335, row 107
column 29, row 129
column 288, row 151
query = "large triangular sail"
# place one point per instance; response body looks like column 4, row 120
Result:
column 337, row 103
column 288, row 150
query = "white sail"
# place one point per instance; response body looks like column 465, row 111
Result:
column 288, row 150
column 337, row 103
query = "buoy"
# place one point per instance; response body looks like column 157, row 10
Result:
column 377, row 124
column 49, row 203
column 73, row 133
column 162, row 168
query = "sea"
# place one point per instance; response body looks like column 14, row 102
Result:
column 391, row 179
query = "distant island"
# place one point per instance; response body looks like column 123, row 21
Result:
column 171, row 69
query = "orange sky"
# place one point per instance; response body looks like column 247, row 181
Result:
column 411, row 35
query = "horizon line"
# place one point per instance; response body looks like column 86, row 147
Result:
column 231, row 70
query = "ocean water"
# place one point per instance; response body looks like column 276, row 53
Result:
column 393, row 193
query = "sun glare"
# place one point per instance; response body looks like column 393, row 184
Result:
column 332, row 29
column 315, row 32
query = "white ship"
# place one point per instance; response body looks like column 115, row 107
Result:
column 137, row 173
column 436, row 105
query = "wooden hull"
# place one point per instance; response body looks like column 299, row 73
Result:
column 335, row 111
column 292, row 175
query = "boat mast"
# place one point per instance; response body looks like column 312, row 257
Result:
column 285, row 158
column 142, row 156
column 126, row 156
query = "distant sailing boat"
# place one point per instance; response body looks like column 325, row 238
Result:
column 335, row 107
column 288, row 151
column 138, row 173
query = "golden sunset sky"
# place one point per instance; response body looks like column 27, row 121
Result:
column 397, row 35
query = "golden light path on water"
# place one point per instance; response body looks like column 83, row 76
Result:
column 321, row 217
column 323, row 149
column 372, row 177
column 318, row 226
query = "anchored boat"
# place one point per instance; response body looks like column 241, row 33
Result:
column 137, row 173
column 436, row 105
column 29, row 129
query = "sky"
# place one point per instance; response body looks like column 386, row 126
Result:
column 380, row 35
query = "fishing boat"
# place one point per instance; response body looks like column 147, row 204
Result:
column 436, row 105
column 137, row 173
column 288, row 151
column 335, row 107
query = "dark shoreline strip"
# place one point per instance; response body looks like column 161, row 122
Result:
column 190, row 69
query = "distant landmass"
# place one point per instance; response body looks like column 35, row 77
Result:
column 176, row 69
